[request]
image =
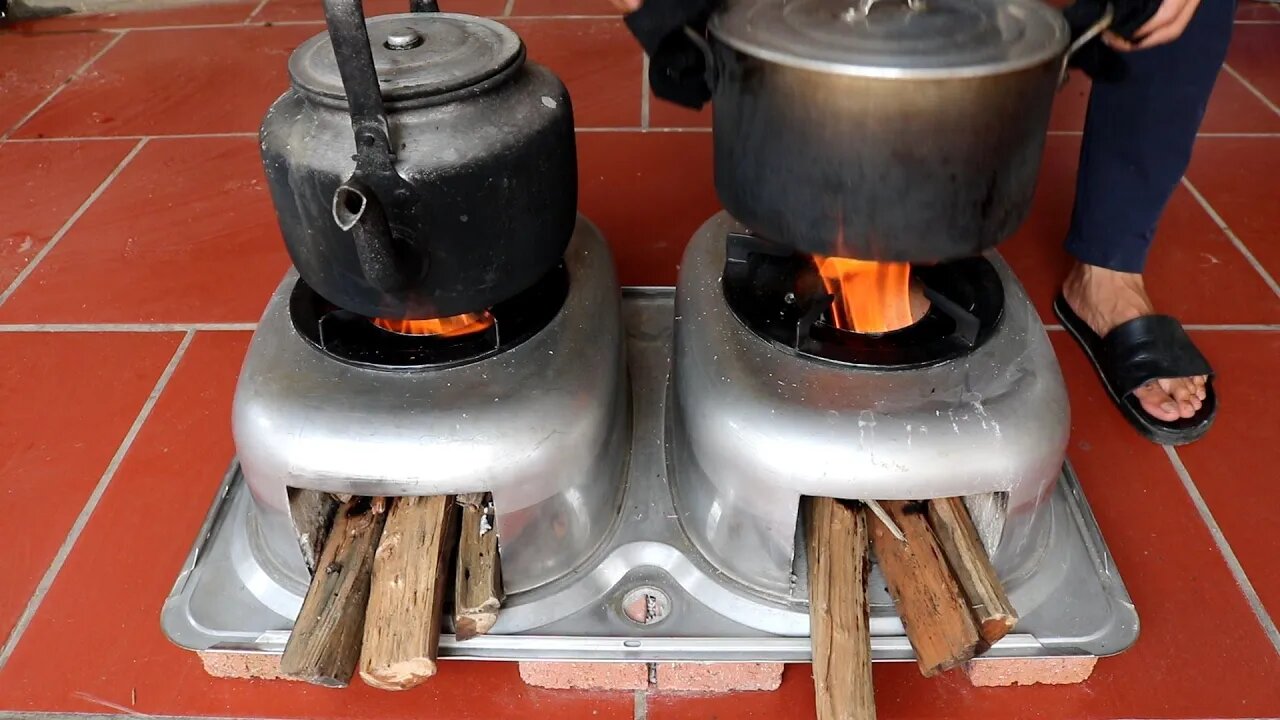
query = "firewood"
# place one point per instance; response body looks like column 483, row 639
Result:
column 312, row 513
column 324, row 646
column 478, row 583
column 963, row 549
column 410, row 576
column 932, row 606
column 839, row 625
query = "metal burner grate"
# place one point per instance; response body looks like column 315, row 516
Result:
column 778, row 294
column 356, row 340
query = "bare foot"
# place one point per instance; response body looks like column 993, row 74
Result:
column 1106, row 298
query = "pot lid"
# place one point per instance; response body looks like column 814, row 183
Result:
column 895, row 38
column 416, row 55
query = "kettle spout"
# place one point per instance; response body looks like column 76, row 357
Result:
column 385, row 265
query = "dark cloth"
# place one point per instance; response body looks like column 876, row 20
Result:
column 1095, row 59
column 678, row 63
column 1137, row 140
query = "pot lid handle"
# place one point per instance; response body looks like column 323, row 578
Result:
column 861, row 8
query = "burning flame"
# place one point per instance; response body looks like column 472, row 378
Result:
column 868, row 297
column 452, row 326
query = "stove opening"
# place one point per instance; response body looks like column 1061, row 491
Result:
column 877, row 315
column 423, row 344
column 869, row 296
column 453, row 326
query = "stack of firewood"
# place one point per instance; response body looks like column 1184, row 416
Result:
column 948, row 596
column 381, row 573
column 379, row 587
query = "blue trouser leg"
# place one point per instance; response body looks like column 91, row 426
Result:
column 1137, row 141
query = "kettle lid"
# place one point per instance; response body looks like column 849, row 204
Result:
column 416, row 55
column 895, row 38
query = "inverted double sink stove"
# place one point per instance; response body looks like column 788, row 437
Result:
column 649, row 448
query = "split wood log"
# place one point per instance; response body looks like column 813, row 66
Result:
column 840, row 628
column 478, row 583
column 312, row 513
column 968, row 559
column 930, row 602
column 324, row 646
column 410, row 577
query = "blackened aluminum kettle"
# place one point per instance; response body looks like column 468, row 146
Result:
column 420, row 166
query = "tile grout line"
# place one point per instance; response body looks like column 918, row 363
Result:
column 641, row 711
column 66, row 226
column 254, row 12
column 92, row 138
column 509, row 8
column 1251, row 88
column 125, row 327
column 91, row 504
column 1235, row 240
column 118, row 35
column 1224, row 548
column 644, row 91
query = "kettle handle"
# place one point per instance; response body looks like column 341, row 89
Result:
column 350, row 38
column 359, row 203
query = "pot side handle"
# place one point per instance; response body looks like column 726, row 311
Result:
column 1085, row 38
column 712, row 70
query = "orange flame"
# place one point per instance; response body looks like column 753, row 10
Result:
column 452, row 326
column 868, row 297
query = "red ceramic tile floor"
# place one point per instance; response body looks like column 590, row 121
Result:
column 1257, row 11
column 168, row 479
column 564, row 7
column 598, row 61
column 291, row 10
column 25, row 84
column 1242, row 491
column 218, row 13
column 209, row 80
column 669, row 115
column 1227, row 171
column 68, row 401
column 1254, row 52
column 44, row 183
column 648, row 193
column 1224, row 288
column 185, row 233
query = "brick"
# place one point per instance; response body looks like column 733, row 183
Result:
column 718, row 677
column 585, row 676
column 1029, row 671
column 243, row 666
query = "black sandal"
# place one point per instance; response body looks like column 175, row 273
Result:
column 1137, row 352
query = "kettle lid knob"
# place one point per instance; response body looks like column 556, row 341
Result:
column 405, row 39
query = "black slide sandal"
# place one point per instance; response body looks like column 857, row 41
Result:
column 1137, row 352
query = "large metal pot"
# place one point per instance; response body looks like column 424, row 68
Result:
column 890, row 130
column 428, row 173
